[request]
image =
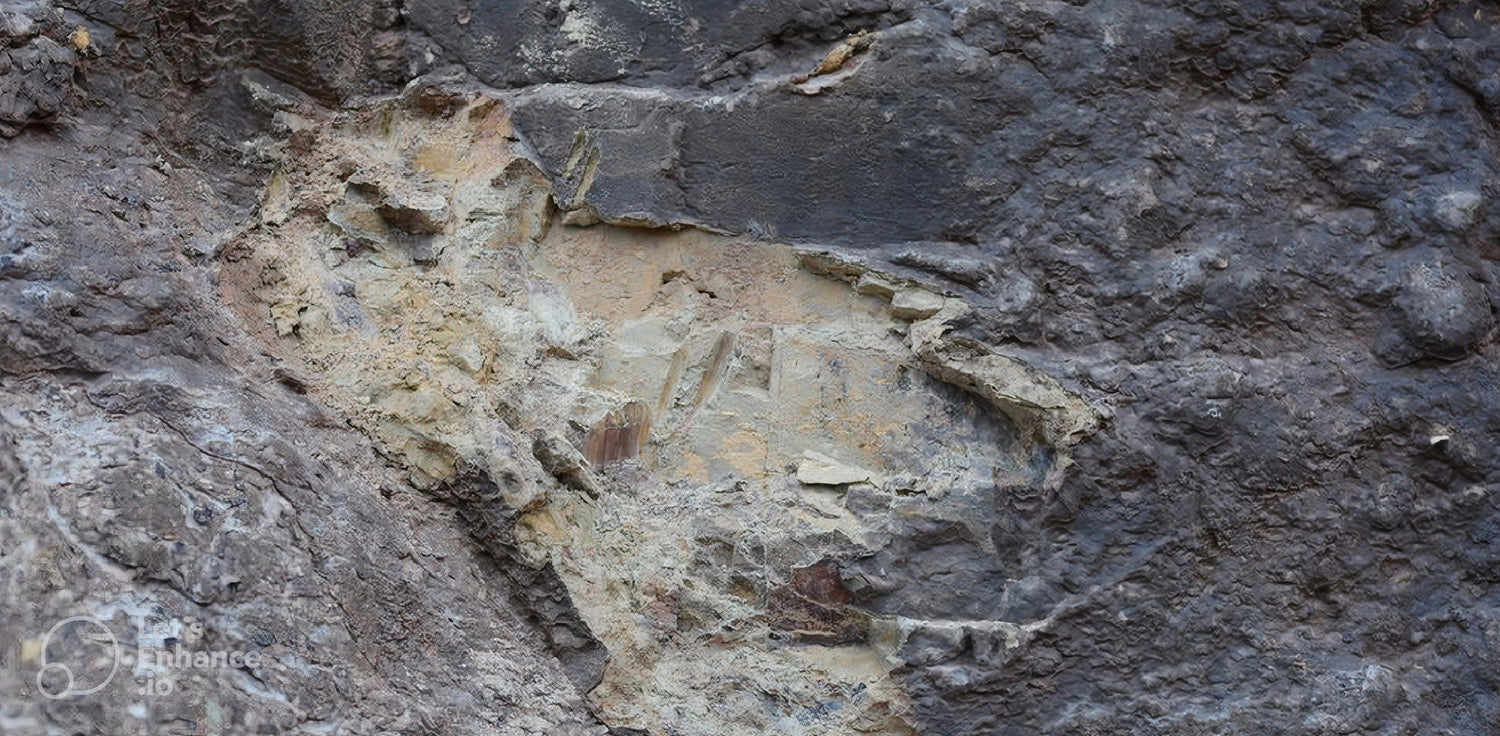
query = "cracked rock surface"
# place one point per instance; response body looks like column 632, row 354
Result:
column 830, row 367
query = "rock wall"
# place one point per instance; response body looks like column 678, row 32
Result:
column 714, row 444
column 835, row 367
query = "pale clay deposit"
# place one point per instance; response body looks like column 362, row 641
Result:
column 437, row 301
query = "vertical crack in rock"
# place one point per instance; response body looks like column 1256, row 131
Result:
column 714, row 458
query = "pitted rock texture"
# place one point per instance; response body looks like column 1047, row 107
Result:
column 1257, row 238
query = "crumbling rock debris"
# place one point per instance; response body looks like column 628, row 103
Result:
column 567, row 464
column 659, row 402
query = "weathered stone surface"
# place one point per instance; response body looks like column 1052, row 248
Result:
column 1168, row 330
column 671, row 410
column 36, row 74
column 163, row 474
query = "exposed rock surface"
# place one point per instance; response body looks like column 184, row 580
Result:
column 830, row 367
column 667, row 404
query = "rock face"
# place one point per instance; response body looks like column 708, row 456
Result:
column 805, row 368
column 665, row 408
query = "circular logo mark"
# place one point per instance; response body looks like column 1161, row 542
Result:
column 76, row 646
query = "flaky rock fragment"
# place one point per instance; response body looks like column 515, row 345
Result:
column 815, row 468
